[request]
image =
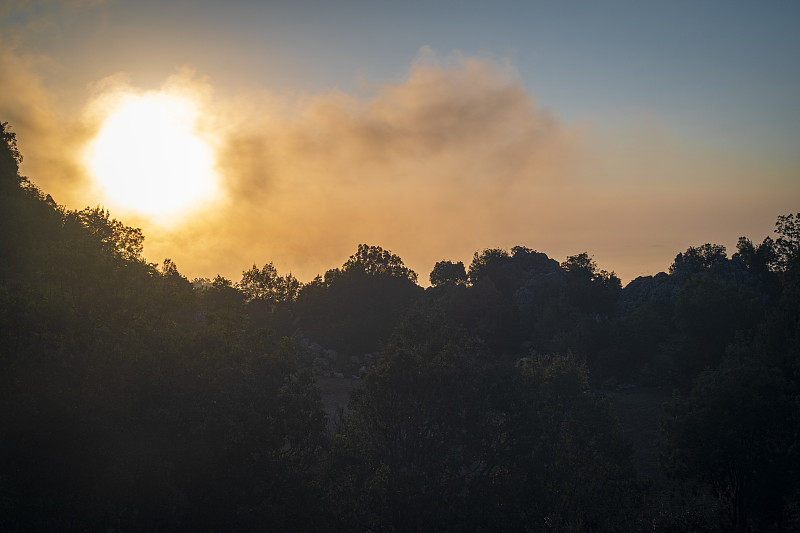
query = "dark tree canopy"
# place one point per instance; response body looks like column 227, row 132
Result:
column 583, row 266
column 735, row 433
column 375, row 261
column 447, row 272
column 113, row 236
column 441, row 438
column 484, row 262
column 698, row 259
column 758, row 259
column 787, row 246
column 268, row 286
column 355, row 308
column 10, row 158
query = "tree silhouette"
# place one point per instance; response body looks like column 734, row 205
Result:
column 787, row 247
column 266, row 285
column 10, row 159
column 697, row 259
column 113, row 236
column 445, row 272
column 484, row 262
column 375, row 261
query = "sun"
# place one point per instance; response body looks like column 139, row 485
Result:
column 149, row 158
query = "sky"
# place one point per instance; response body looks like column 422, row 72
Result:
column 628, row 129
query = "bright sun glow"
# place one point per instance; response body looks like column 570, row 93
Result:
column 148, row 157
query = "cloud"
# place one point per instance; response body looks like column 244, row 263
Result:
column 31, row 99
column 48, row 139
column 453, row 157
column 430, row 164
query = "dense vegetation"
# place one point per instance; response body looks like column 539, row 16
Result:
column 133, row 399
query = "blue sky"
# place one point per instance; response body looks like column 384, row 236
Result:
column 698, row 82
column 730, row 63
column 704, row 65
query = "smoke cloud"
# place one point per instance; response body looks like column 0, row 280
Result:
column 454, row 157
column 427, row 166
column 48, row 139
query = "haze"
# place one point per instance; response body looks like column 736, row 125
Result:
column 624, row 129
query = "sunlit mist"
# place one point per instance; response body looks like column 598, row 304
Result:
column 148, row 157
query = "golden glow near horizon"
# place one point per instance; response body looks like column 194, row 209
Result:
column 149, row 158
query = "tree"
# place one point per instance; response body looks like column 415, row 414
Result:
column 592, row 290
column 580, row 265
column 375, row 261
column 758, row 259
column 125, row 409
column 260, row 284
column 583, row 266
column 266, row 285
column 397, row 457
column 443, row 437
column 567, row 453
column 787, row 247
column 736, row 434
column 113, row 236
column 447, row 272
column 698, row 259
column 485, row 262
column 10, row 159
column 709, row 312
column 355, row 308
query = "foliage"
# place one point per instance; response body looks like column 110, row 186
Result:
column 355, row 308
column 735, row 434
column 267, row 286
column 441, row 438
column 485, row 262
column 136, row 400
column 580, row 265
column 697, row 259
column 111, row 235
column 592, row 289
column 758, row 259
column 583, row 266
column 133, row 401
column 788, row 265
column 787, row 246
column 709, row 312
column 375, row 261
column 447, row 272
column 10, row 159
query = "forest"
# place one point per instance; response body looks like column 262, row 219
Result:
column 135, row 399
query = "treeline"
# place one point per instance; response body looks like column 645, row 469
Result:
column 134, row 399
